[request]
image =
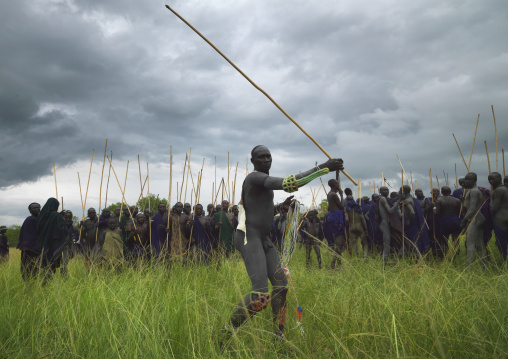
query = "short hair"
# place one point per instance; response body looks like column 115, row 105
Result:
column 254, row 149
column 332, row 181
column 30, row 205
column 348, row 191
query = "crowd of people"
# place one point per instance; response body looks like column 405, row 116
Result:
column 390, row 225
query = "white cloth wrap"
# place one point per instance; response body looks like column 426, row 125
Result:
column 241, row 222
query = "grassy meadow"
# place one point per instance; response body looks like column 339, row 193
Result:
column 427, row 310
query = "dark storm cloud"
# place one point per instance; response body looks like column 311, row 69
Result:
column 365, row 79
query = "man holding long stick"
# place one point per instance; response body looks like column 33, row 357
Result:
column 253, row 242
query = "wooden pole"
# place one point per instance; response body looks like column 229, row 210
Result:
column 504, row 170
column 141, row 186
column 80, row 193
column 463, row 160
column 370, row 188
column 100, row 188
column 456, row 178
column 124, row 187
column 445, row 178
column 187, row 180
column 383, row 179
column 234, row 185
column 229, row 189
column 495, row 130
column 107, row 185
column 487, row 151
column 430, row 178
column 123, row 194
column 474, row 139
column 86, row 193
column 438, row 186
column 183, row 179
column 404, row 171
column 62, row 204
column 54, row 173
column 260, row 89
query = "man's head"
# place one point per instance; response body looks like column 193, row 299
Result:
column 225, row 205
column 235, row 210
column 505, row 181
column 111, row 223
column 34, row 209
column 117, row 212
column 146, row 212
column 161, row 208
column 461, row 182
column 106, row 213
column 419, row 193
column 375, row 197
column 187, row 208
column 178, row 208
column 366, row 199
column 209, row 208
column 126, row 212
column 68, row 216
column 446, row 191
column 495, row 179
column 406, row 189
column 470, row 180
column 91, row 213
column 384, row 191
column 218, row 208
column 3, row 229
column 334, row 184
column 394, row 195
column 435, row 193
column 261, row 158
column 134, row 210
column 140, row 218
column 199, row 210
column 348, row 192
column 311, row 215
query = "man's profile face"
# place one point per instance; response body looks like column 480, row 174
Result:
column 262, row 159
column 494, row 179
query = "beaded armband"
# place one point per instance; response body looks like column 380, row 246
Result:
column 289, row 184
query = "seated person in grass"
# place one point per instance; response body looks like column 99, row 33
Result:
column 252, row 238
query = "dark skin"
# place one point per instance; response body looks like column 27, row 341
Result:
column 112, row 224
column 117, row 212
column 499, row 200
column 409, row 211
column 35, row 209
column 447, row 205
column 235, row 211
column 334, row 202
column 106, row 213
column 420, row 197
column 506, row 181
column 161, row 209
column 187, row 208
column 474, row 199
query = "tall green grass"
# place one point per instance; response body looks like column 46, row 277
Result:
column 425, row 310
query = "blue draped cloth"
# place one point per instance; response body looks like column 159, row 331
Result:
column 158, row 236
column 373, row 225
column 202, row 239
column 334, row 225
column 352, row 205
column 501, row 239
column 28, row 235
column 458, row 193
column 448, row 224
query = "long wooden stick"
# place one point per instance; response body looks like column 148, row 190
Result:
column 124, row 186
column 260, row 89
column 504, row 170
column 102, row 176
column 438, row 186
column 488, row 159
column 86, row 193
column 80, row 193
column 187, row 181
column 123, row 194
column 495, row 129
column 456, row 178
column 107, row 185
column 183, row 178
column 430, row 178
column 234, row 185
column 228, row 189
column 474, row 139
column 463, row 160
column 54, row 173
column 140, row 186
column 404, row 172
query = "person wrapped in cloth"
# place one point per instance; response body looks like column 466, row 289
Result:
column 253, row 242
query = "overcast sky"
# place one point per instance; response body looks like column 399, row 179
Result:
column 367, row 79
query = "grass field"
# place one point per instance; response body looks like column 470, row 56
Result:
column 429, row 310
